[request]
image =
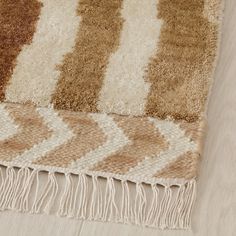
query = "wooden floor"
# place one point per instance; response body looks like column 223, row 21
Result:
column 215, row 210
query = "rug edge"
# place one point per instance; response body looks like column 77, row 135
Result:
column 169, row 209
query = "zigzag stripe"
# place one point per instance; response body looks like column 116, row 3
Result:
column 115, row 141
column 129, row 146
column 61, row 134
column 179, row 144
column 145, row 141
column 31, row 131
column 87, row 136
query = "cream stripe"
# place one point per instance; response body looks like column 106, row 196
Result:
column 178, row 144
column 7, row 128
column 35, row 75
column 61, row 134
column 124, row 88
column 116, row 140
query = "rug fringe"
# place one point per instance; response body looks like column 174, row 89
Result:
column 95, row 198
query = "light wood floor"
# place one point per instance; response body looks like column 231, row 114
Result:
column 215, row 210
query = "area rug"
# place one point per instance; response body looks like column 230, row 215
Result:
column 109, row 96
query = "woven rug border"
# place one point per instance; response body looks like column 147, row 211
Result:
column 170, row 206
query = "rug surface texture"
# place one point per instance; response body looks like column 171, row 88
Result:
column 111, row 96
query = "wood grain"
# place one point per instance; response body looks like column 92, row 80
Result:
column 215, row 209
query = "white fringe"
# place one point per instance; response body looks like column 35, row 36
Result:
column 97, row 198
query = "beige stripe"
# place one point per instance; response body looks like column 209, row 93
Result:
column 87, row 137
column 124, row 90
column 35, row 75
column 8, row 128
column 31, row 131
column 145, row 141
column 83, row 70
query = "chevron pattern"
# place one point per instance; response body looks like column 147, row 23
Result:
column 60, row 135
column 130, row 147
column 178, row 145
column 115, row 140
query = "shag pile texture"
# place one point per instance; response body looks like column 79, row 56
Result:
column 112, row 94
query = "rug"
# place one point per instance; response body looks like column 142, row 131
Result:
column 110, row 96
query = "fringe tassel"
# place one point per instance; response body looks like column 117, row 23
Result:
column 83, row 197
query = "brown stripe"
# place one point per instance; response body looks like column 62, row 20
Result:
column 17, row 26
column 179, row 73
column 146, row 142
column 184, row 167
column 88, row 136
column 31, row 131
column 83, row 70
